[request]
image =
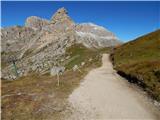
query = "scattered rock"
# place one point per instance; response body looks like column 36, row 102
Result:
column 83, row 63
column 156, row 103
column 75, row 67
column 68, row 57
column 19, row 94
column 90, row 59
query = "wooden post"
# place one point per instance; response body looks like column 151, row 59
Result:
column 58, row 79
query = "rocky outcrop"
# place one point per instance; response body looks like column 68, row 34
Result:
column 41, row 43
column 57, row 70
column 14, row 40
column 61, row 18
column 36, row 22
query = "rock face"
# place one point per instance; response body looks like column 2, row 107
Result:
column 41, row 43
column 14, row 40
column 36, row 22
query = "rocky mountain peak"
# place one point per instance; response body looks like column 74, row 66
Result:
column 62, row 11
column 61, row 17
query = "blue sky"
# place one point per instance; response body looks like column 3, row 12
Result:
column 128, row 20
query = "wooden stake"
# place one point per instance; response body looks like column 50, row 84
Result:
column 58, row 79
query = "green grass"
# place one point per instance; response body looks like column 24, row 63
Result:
column 140, row 59
column 79, row 53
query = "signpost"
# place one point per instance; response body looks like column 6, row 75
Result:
column 58, row 79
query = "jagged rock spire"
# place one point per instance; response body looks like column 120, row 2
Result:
column 61, row 16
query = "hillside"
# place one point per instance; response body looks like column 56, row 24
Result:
column 38, row 97
column 139, row 61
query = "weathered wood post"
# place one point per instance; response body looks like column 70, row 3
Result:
column 57, row 71
column 58, row 79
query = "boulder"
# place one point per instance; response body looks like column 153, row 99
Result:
column 90, row 60
column 57, row 70
column 75, row 67
column 82, row 63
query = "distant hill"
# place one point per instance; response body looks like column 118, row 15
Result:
column 139, row 60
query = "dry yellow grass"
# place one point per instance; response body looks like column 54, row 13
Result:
column 37, row 97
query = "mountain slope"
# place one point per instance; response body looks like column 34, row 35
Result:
column 41, row 44
column 92, row 35
column 139, row 60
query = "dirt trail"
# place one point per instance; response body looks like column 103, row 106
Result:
column 104, row 95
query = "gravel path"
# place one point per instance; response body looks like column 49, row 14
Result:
column 104, row 95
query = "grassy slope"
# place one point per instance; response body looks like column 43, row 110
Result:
column 80, row 54
column 36, row 97
column 140, row 60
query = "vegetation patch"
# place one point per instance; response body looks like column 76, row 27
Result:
column 79, row 53
column 139, row 60
column 35, row 97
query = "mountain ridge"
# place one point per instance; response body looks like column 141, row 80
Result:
column 41, row 43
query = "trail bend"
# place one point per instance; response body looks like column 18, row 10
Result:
column 104, row 95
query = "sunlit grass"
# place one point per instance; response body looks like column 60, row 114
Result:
column 141, row 59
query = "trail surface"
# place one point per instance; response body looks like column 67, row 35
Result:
column 104, row 95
